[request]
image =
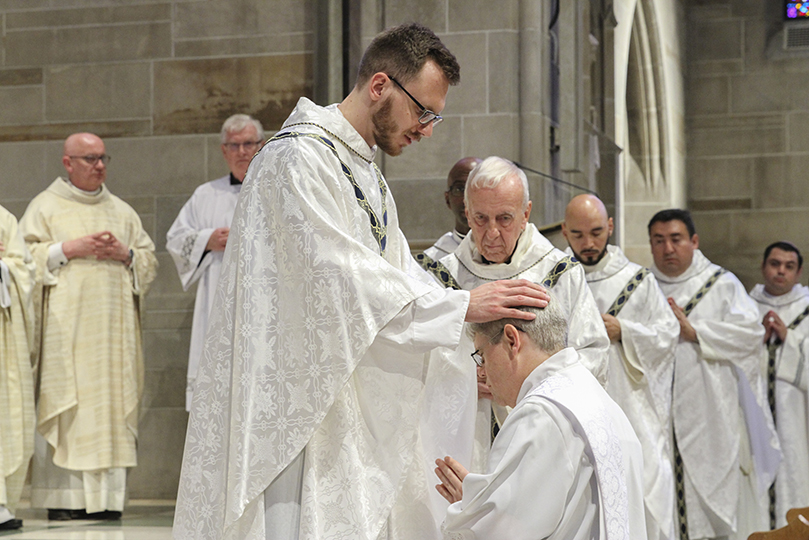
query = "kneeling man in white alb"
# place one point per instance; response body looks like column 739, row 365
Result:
column 566, row 462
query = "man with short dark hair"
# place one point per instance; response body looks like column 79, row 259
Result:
column 197, row 238
column 94, row 262
column 305, row 416
column 453, row 196
column 643, row 336
column 566, row 463
column 726, row 449
column 783, row 304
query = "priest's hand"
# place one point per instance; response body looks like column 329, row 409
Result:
column 112, row 248
column 2, row 247
column 451, row 473
column 773, row 325
column 613, row 327
column 687, row 331
column 91, row 245
column 500, row 300
column 218, row 239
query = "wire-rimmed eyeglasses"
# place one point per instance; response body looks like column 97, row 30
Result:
column 427, row 115
column 92, row 159
column 249, row 146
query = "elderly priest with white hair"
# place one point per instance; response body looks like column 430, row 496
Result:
column 566, row 463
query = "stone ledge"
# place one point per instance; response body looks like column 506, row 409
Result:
column 59, row 131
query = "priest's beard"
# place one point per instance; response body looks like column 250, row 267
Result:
column 384, row 128
column 589, row 258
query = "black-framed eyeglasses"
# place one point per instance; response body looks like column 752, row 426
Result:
column 92, row 159
column 427, row 115
column 477, row 356
column 250, row 146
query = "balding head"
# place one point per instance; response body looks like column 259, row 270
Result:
column 85, row 159
column 587, row 228
column 454, row 195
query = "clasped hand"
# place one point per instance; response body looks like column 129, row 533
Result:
column 101, row 245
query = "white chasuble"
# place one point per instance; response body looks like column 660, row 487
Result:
column 640, row 374
column 91, row 360
column 17, row 420
column 721, row 420
column 315, row 355
column 566, row 464
column 791, row 403
column 209, row 208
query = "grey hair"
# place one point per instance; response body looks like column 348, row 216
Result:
column 490, row 172
column 548, row 330
column 237, row 123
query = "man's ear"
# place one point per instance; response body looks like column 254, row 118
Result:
column 513, row 339
column 376, row 86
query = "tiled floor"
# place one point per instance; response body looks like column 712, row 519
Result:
column 142, row 520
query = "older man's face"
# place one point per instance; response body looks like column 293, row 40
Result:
column 82, row 161
column 497, row 219
column 239, row 149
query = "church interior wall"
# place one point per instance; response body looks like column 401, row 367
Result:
column 747, row 118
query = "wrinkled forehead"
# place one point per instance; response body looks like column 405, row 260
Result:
column 502, row 199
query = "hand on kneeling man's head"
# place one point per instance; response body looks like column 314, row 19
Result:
column 451, row 473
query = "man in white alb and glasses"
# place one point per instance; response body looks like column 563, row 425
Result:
column 197, row 238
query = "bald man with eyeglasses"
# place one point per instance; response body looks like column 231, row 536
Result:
column 94, row 264
column 197, row 238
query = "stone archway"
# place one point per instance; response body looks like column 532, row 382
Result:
column 649, row 118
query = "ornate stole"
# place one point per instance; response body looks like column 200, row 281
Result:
column 378, row 228
column 689, row 307
column 439, row 271
column 772, row 352
column 443, row 274
column 630, row 287
column 559, row 268
column 679, row 474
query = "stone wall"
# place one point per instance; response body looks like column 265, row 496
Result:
column 155, row 79
column 747, row 115
column 481, row 116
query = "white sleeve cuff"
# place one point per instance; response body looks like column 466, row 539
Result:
column 56, row 257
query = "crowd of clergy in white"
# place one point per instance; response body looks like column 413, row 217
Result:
column 289, row 438
column 335, row 382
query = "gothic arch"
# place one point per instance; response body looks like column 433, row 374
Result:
column 649, row 112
